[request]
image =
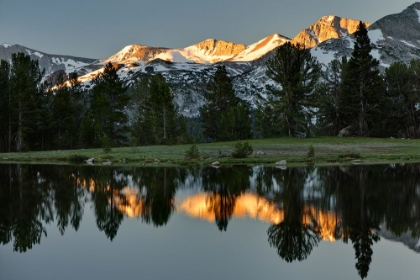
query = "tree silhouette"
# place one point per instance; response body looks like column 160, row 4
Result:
column 108, row 216
column 108, row 101
column 5, row 108
column 26, row 103
column 224, row 186
column 361, row 214
column 362, row 93
column 293, row 239
column 296, row 73
column 220, row 98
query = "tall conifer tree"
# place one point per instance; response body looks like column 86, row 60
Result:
column 220, row 98
column 26, row 99
column 328, row 118
column 163, row 111
column 296, row 74
column 363, row 88
column 5, row 108
column 157, row 118
column 108, row 103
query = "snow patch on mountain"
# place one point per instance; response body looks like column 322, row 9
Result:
column 124, row 55
column 260, row 48
column 88, row 78
column 323, row 56
column 375, row 36
column 408, row 44
column 34, row 53
column 177, row 56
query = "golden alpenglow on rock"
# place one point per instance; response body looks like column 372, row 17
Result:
column 135, row 53
column 220, row 47
column 327, row 27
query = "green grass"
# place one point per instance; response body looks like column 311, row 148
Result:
column 328, row 151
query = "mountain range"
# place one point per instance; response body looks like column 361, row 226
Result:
column 394, row 37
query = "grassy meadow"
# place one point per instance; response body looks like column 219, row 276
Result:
column 328, row 151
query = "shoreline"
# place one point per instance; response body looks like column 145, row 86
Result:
column 329, row 151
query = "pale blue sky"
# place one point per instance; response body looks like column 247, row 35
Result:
column 98, row 29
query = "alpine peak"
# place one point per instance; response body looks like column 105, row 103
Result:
column 327, row 27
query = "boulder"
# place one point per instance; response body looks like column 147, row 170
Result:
column 281, row 163
column 345, row 131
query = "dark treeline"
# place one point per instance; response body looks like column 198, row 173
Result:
column 355, row 203
column 349, row 96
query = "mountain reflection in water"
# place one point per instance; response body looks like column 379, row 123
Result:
column 303, row 205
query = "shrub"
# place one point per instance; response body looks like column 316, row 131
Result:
column 311, row 152
column 107, row 144
column 192, row 152
column 242, row 150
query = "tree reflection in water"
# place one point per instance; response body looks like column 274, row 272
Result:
column 160, row 186
column 307, row 204
column 293, row 238
column 224, row 186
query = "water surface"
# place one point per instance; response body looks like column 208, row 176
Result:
column 96, row 222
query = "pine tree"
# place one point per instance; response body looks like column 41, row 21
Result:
column 360, row 106
column 265, row 122
column 220, row 97
column 5, row 108
column 163, row 109
column 63, row 113
column 330, row 92
column 296, row 74
column 235, row 123
column 108, row 103
column 78, row 99
column 157, row 119
column 141, row 127
column 27, row 93
column 403, row 95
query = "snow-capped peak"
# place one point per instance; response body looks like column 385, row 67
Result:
column 205, row 52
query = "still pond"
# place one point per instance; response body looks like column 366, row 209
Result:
column 240, row 222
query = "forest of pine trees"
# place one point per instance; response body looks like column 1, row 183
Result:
column 348, row 97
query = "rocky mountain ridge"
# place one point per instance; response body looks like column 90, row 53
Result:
column 209, row 51
column 327, row 27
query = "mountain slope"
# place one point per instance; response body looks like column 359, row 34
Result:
column 260, row 48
